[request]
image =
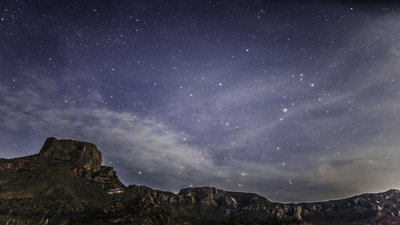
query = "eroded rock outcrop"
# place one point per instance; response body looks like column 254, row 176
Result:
column 66, row 184
column 84, row 156
column 206, row 196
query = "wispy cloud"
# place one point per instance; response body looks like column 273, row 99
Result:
column 326, row 129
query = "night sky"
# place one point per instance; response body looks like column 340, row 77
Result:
column 293, row 100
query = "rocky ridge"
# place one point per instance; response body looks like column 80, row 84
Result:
column 66, row 184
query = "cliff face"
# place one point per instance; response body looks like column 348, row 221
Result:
column 84, row 156
column 214, row 204
column 66, row 184
column 380, row 208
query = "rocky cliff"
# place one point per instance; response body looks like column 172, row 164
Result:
column 84, row 156
column 66, row 184
column 379, row 208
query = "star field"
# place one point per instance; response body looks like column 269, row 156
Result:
column 296, row 101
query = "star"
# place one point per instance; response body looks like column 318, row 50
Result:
column 217, row 86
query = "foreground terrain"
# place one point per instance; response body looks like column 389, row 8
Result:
column 66, row 184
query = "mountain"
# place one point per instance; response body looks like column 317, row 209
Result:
column 66, row 184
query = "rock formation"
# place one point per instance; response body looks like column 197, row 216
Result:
column 66, row 184
column 85, row 156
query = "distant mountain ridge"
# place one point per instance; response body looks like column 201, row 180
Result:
column 66, row 184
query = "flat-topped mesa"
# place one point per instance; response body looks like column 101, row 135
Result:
column 84, row 156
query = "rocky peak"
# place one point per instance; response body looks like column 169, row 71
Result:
column 207, row 196
column 84, row 156
column 200, row 191
column 44, row 182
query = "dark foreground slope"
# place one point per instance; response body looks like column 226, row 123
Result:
column 66, row 184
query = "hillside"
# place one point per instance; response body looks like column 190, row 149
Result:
column 65, row 184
